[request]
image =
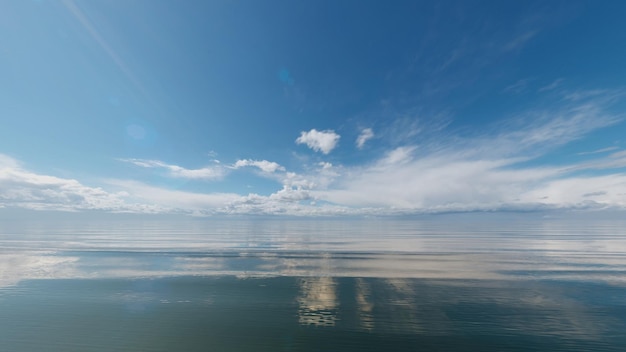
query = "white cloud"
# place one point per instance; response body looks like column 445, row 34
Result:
column 8, row 162
column 366, row 134
column 22, row 188
column 206, row 173
column 325, row 165
column 482, row 172
column 598, row 151
column 613, row 161
column 319, row 141
column 534, row 133
column 399, row 155
column 290, row 194
column 449, row 182
column 572, row 192
column 439, row 183
column 174, row 200
column 599, row 95
column 25, row 189
column 566, row 127
column 263, row 165
column 444, row 172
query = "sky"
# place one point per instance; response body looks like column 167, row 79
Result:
column 312, row 108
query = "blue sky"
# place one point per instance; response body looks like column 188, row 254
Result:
column 312, row 107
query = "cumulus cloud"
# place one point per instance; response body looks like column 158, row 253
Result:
column 263, row 165
column 319, row 141
column 206, row 173
column 366, row 135
column 25, row 189
column 290, row 194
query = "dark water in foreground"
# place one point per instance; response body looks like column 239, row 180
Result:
column 313, row 286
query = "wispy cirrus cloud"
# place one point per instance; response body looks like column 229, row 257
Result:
column 450, row 182
column 598, row 151
column 518, row 87
column 612, row 161
column 483, row 172
column 553, row 85
column 539, row 131
column 520, row 40
column 207, row 173
column 365, row 135
column 176, row 200
column 214, row 172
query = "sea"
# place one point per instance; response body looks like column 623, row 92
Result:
column 429, row 283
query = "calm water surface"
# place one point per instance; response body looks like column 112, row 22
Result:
column 313, row 285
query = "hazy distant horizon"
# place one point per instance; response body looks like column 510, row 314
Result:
column 16, row 214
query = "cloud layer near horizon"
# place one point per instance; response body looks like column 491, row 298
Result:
column 489, row 172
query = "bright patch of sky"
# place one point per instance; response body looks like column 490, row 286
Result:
column 312, row 107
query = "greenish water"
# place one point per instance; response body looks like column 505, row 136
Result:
column 313, row 286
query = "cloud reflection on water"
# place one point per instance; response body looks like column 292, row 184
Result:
column 385, row 249
column 405, row 277
column 317, row 301
column 365, row 304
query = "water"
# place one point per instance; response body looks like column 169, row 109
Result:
column 441, row 284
